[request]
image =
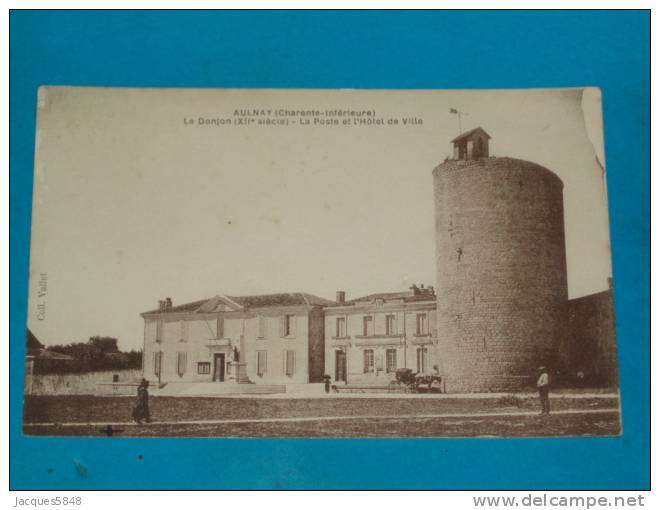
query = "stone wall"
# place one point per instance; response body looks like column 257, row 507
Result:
column 88, row 383
column 501, row 270
column 591, row 342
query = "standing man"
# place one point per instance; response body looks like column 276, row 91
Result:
column 141, row 410
column 543, row 385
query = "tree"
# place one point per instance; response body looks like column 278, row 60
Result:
column 104, row 343
column 98, row 353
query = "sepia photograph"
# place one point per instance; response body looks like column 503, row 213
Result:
column 320, row 264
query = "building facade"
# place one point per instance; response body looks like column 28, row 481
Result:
column 369, row 338
column 275, row 338
column 501, row 309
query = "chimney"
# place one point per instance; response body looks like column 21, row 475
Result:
column 161, row 305
column 414, row 290
column 168, row 303
column 340, row 296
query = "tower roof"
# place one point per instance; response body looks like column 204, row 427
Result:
column 470, row 133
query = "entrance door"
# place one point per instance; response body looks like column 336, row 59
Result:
column 340, row 366
column 219, row 367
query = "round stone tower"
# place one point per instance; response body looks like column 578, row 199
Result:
column 501, row 268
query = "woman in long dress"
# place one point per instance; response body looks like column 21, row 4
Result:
column 141, row 410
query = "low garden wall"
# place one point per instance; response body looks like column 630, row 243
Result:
column 88, row 383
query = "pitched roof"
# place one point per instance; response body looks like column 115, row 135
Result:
column 210, row 305
column 409, row 296
column 48, row 354
column 468, row 134
column 293, row 299
column 32, row 341
column 383, row 295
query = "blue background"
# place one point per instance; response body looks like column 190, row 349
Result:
column 349, row 49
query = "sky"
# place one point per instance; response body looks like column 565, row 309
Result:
column 134, row 200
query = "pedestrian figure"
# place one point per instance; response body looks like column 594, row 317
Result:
column 543, row 385
column 327, row 383
column 141, row 410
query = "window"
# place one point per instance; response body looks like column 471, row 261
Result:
column 390, row 355
column 368, row 360
column 204, row 368
column 158, row 363
column 261, row 333
column 159, row 330
column 422, row 355
column 367, row 325
column 181, row 362
column 262, row 362
column 289, row 363
column 422, row 324
column 341, row 327
column 184, row 331
column 220, row 328
column 390, row 325
column 287, row 325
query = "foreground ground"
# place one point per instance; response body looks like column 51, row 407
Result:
column 320, row 417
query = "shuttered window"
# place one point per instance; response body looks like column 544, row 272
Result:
column 368, row 360
column 422, row 360
column 184, row 331
column 367, row 325
column 289, row 363
column 341, row 327
column 158, row 362
column 390, row 362
column 287, row 326
column 181, row 362
column 261, row 327
column 390, row 325
column 159, row 330
column 220, row 328
column 422, row 324
column 262, row 362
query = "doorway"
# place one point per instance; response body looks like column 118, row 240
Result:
column 340, row 366
column 219, row 367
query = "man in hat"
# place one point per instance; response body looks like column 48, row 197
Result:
column 141, row 409
column 543, row 385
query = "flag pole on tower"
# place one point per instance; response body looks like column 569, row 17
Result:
column 458, row 113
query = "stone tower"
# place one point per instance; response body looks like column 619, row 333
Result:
column 501, row 268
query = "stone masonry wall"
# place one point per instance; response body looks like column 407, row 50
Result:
column 591, row 342
column 501, row 272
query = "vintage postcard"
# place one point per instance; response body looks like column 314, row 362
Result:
column 320, row 263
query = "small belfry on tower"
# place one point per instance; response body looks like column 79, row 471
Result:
column 472, row 144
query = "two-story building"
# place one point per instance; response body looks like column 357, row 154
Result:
column 276, row 338
column 368, row 338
